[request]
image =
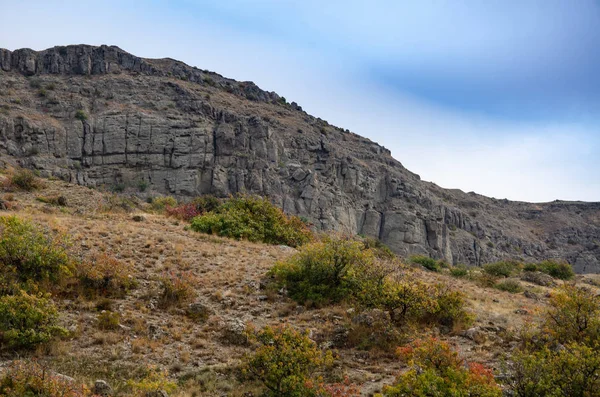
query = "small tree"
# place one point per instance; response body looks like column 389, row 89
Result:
column 573, row 316
column 285, row 361
column 325, row 271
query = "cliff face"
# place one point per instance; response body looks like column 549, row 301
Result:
column 99, row 116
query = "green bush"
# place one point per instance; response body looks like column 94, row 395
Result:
column 560, row 270
column 380, row 250
column 501, row 269
column 562, row 356
column 286, row 362
column 512, row 286
column 29, row 253
column 22, row 179
column 27, row 320
column 569, row 371
column 436, row 370
column 324, row 272
column 108, row 320
column 30, row 379
column 161, row 203
column 81, row 116
column 253, row 219
column 427, row 262
column 459, row 271
column 573, row 316
column 530, row 267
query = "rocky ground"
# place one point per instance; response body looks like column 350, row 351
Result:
column 230, row 289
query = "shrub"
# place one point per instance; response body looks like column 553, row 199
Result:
column 177, row 288
column 142, row 186
column 572, row 370
column 323, row 272
column 105, row 275
column 152, row 383
column 449, row 308
column 27, row 320
column 29, row 378
column 425, row 261
column 81, row 116
column 403, row 300
column 285, row 361
column 573, row 316
column 560, row 270
column 501, row 269
column 459, row 271
column 253, row 219
column 28, row 252
column 161, row 203
column 380, row 250
column 530, row 267
column 436, row 370
column 196, row 207
column 22, row 179
column 562, row 357
column 512, row 286
column 108, row 320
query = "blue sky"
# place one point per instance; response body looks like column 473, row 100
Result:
column 497, row 97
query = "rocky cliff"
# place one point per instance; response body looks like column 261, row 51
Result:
column 100, row 116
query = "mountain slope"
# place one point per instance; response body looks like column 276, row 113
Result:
column 100, row 116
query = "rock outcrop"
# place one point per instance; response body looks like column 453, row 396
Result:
column 100, row 116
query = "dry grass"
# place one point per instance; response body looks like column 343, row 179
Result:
column 228, row 275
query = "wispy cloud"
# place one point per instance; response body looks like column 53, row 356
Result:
column 497, row 97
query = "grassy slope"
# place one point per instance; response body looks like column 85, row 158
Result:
column 229, row 273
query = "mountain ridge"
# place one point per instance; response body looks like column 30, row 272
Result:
column 186, row 131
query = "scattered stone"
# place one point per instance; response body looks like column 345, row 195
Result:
column 198, row 311
column 263, row 298
column 234, row 333
column 102, row 388
column 530, row 295
column 340, row 336
column 521, row 312
column 538, row 278
column 476, row 334
column 363, row 319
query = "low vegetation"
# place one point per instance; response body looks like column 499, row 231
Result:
column 561, row 356
column 254, row 219
column 151, row 292
column 22, row 179
column 286, row 362
column 27, row 320
column 436, row 370
column 428, row 263
column 339, row 269
column 31, row 254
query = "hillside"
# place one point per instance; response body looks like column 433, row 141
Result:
column 99, row 116
column 203, row 355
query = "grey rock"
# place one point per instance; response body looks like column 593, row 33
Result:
column 538, row 278
column 151, row 120
column 198, row 311
column 234, row 333
column 157, row 393
column 102, row 388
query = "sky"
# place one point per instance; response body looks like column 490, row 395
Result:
column 497, row 97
